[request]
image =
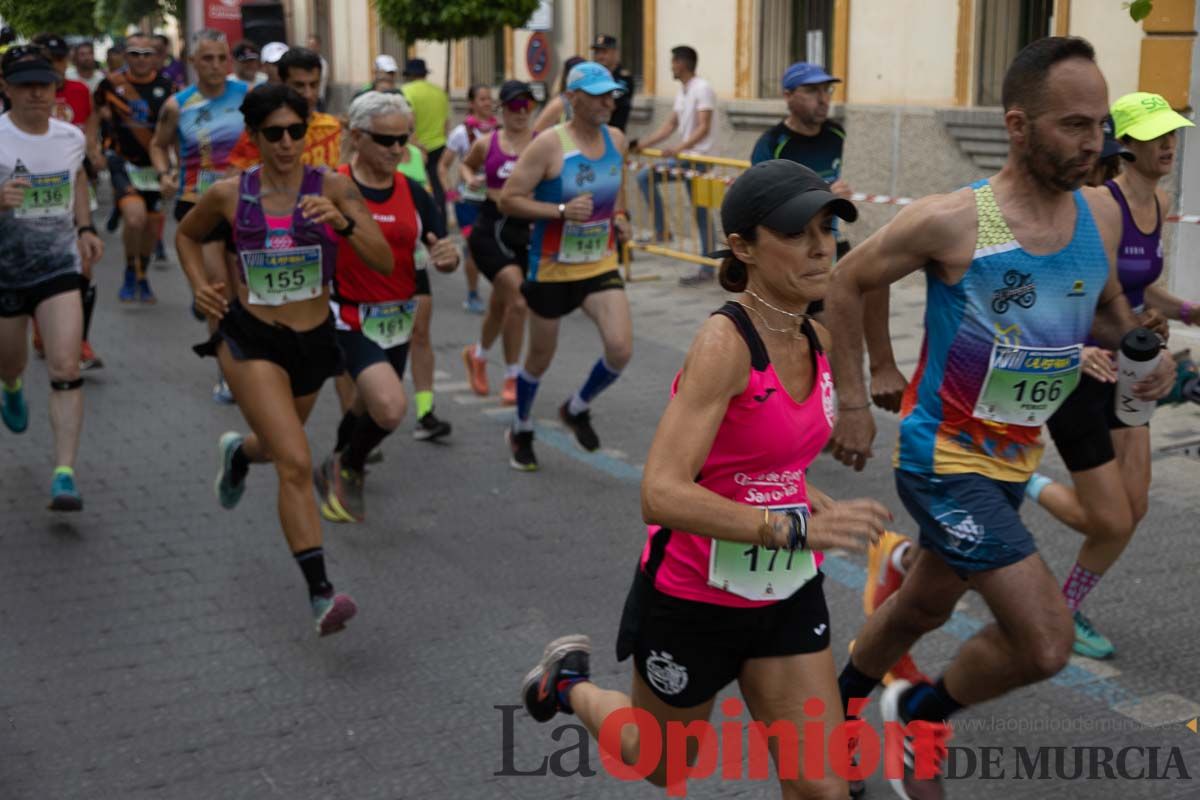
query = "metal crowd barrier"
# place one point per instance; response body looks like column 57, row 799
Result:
column 688, row 184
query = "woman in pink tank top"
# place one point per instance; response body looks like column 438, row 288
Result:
column 728, row 586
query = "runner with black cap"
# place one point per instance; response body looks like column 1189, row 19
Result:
column 46, row 228
column 247, row 63
column 728, row 586
column 569, row 183
column 500, row 244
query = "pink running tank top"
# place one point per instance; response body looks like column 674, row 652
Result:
column 766, row 441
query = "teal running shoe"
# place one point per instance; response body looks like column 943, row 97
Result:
column 14, row 410
column 228, row 491
column 331, row 612
column 1088, row 642
column 63, row 494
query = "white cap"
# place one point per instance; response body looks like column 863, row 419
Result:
column 273, row 51
column 386, row 64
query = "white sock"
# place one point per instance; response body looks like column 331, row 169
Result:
column 480, row 352
column 512, row 370
column 577, row 405
column 898, row 556
column 520, row 426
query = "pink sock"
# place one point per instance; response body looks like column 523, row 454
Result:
column 1079, row 583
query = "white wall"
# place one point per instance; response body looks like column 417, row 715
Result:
column 709, row 27
column 902, row 52
column 1117, row 39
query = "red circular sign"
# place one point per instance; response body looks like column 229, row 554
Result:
column 537, row 56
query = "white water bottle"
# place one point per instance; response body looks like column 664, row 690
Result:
column 1140, row 350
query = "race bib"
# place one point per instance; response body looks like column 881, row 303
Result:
column 277, row 277
column 144, row 179
column 583, row 241
column 388, row 324
column 470, row 195
column 206, row 178
column 753, row 572
column 1026, row 385
column 48, row 195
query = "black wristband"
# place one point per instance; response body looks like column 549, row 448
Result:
column 346, row 231
column 798, row 538
column 82, row 229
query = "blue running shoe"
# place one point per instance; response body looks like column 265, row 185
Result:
column 128, row 293
column 63, row 494
column 228, row 492
column 331, row 612
column 474, row 304
column 144, row 293
column 14, row 409
column 221, row 393
column 1089, row 642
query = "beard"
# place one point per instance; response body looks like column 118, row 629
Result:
column 1051, row 169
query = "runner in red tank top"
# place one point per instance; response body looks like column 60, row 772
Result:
column 728, row 586
column 375, row 313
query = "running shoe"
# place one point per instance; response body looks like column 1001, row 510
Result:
column 144, row 293
column 521, row 445
column 476, row 371
column 580, row 425
column 63, row 494
column 928, row 744
column 221, row 393
column 508, row 395
column 1089, row 642
column 160, row 254
column 88, row 358
column 332, row 611
column 474, row 304
column 228, row 493
column 39, row 349
column 883, row 579
column 345, row 494
column 14, row 410
column 128, row 292
column 430, row 428
column 565, row 658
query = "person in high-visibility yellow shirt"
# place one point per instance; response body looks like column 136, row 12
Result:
column 431, row 110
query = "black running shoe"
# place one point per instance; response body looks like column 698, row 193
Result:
column 521, row 445
column 580, row 425
column 565, row 657
column 430, row 428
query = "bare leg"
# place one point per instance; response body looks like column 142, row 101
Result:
column 421, row 350
column 610, row 311
column 382, row 394
column 1099, row 506
column 61, row 321
column 14, row 348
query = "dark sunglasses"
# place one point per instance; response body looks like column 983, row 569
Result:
column 138, row 51
column 519, row 104
column 273, row 133
column 383, row 140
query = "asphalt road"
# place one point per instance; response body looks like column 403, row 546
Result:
column 158, row 646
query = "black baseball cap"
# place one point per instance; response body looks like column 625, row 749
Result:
column 781, row 195
column 56, row 44
column 511, row 90
column 28, row 64
column 605, row 42
column 246, row 51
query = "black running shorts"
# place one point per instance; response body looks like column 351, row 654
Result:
column 308, row 357
column 688, row 651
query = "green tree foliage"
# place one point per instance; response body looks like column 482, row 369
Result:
column 452, row 19
column 28, row 18
column 1139, row 9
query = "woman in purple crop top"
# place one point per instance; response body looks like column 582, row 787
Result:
column 276, row 342
column 1109, row 461
column 500, row 244
column 727, row 587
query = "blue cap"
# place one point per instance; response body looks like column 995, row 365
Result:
column 593, row 78
column 803, row 73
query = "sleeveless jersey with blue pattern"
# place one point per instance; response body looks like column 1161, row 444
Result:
column 207, row 131
column 561, row 250
column 1008, row 299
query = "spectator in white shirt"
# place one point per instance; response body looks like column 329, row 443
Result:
column 692, row 116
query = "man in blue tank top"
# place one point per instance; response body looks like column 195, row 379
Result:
column 1019, row 269
column 568, row 181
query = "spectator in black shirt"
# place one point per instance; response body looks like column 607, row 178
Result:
column 606, row 53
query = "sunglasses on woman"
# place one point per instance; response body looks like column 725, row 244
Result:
column 273, row 133
column 519, row 104
column 384, row 140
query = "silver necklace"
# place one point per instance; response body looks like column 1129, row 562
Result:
column 791, row 314
column 795, row 334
